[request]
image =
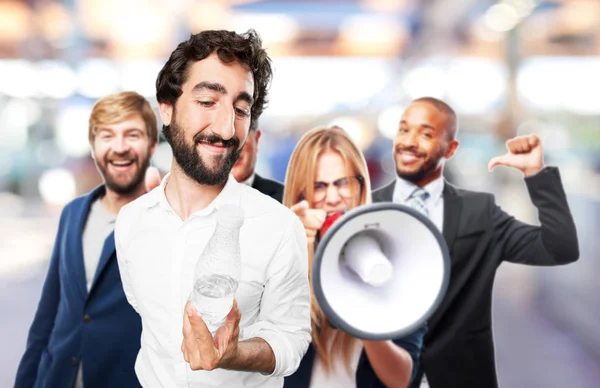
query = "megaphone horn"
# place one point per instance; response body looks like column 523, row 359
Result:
column 380, row 271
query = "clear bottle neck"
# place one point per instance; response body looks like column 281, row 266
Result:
column 224, row 240
column 226, row 230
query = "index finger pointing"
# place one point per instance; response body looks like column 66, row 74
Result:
column 300, row 208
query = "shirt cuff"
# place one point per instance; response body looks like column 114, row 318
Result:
column 542, row 170
column 288, row 352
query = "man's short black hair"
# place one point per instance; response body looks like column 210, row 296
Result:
column 441, row 106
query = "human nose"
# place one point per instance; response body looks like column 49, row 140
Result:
column 120, row 144
column 408, row 139
column 333, row 196
column 223, row 125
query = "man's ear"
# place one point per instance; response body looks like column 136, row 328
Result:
column 452, row 147
column 153, row 149
column 91, row 144
column 166, row 112
column 257, row 136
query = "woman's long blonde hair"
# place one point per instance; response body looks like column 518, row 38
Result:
column 299, row 180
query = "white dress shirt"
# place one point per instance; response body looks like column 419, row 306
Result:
column 434, row 204
column 157, row 253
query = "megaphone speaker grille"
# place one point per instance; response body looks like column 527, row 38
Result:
column 380, row 271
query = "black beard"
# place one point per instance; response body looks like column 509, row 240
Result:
column 428, row 168
column 132, row 185
column 192, row 164
column 415, row 176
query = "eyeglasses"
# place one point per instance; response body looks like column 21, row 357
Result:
column 347, row 187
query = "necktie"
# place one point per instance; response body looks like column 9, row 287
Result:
column 417, row 201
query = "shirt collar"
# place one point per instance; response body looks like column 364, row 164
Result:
column 231, row 194
column 403, row 189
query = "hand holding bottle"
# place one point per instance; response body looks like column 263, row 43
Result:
column 218, row 270
column 200, row 349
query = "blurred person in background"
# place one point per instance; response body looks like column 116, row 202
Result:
column 210, row 92
column 84, row 333
column 327, row 173
column 244, row 168
column 458, row 348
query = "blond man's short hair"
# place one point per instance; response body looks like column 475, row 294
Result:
column 117, row 107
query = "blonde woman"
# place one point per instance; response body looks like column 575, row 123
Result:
column 327, row 173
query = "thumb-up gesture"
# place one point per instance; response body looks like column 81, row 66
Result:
column 525, row 153
column 152, row 178
column 312, row 219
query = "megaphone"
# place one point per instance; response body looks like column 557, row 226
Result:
column 380, row 271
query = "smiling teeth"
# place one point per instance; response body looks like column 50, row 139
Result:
column 122, row 163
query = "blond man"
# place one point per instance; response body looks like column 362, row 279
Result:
column 85, row 333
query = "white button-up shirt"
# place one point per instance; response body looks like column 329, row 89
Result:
column 434, row 204
column 157, row 253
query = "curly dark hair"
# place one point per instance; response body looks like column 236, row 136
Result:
column 244, row 48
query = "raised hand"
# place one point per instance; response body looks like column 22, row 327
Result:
column 525, row 153
column 312, row 219
column 152, row 178
column 200, row 349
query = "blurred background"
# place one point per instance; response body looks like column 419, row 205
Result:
column 508, row 67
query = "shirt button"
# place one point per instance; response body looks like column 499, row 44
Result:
column 86, row 318
column 74, row 360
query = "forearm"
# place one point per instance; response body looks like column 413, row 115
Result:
column 252, row 355
column 281, row 333
column 391, row 363
column 558, row 231
column 554, row 242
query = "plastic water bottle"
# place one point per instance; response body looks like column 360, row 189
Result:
column 218, row 270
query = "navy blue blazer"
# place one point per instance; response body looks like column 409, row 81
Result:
column 365, row 375
column 99, row 328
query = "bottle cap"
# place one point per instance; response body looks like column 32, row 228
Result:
column 230, row 216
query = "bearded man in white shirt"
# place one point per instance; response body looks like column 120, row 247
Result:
column 211, row 89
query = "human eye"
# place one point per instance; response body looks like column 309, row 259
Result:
column 427, row 134
column 242, row 112
column 320, row 186
column 104, row 135
column 343, row 182
column 206, row 103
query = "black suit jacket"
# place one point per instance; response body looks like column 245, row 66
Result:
column 458, row 348
column 269, row 187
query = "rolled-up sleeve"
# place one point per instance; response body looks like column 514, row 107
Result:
column 284, row 318
column 122, row 226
